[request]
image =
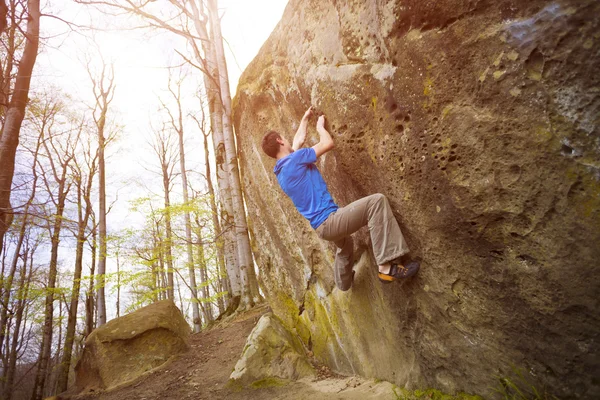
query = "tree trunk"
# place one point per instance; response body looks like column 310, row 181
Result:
column 168, row 242
column 3, row 12
column 89, row 299
column 178, row 126
column 9, row 137
column 104, row 92
column 22, row 231
column 45, row 348
column 25, row 282
column 215, row 109
column 83, row 200
column 223, row 285
column 250, row 292
column 118, row 305
column 205, row 301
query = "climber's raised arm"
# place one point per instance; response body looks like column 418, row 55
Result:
column 325, row 141
column 300, row 136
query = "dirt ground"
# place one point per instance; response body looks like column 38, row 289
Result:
column 203, row 373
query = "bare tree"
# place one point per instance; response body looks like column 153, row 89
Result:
column 176, row 121
column 90, row 302
column 60, row 150
column 104, row 91
column 21, row 301
column 84, row 168
column 205, row 301
column 22, row 232
column 11, row 128
column 166, row 152
column 212, row 63
column 224, row 283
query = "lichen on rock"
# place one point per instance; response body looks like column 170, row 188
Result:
column 272, row 355
column 479, row 122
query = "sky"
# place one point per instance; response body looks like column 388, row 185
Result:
column 140, row 58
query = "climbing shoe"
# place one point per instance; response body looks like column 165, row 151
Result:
column 399, row 271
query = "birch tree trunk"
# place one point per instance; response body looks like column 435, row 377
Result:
column 223, row 285
column 9, row 136
column 250, row 291
column 215, row 109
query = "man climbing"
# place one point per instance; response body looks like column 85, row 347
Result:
column 300, row 179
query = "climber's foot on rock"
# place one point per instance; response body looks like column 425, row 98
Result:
column 399, row 269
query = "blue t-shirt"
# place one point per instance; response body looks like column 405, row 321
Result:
column 300, row 179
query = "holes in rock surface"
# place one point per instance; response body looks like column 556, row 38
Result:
column 454, row 146
column 381, row 119
column 400, row 128
column 407, row 118
column 452, row 159
column 496, row 254
column 473, row 223
column 535, row 65
column 393, row 107
column 566, row 150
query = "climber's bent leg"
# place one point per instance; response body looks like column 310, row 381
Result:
column 386, row 236
column 342, row 268
column 374, row 211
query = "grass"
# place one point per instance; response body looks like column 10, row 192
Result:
column 513, row 387
column 431, row 394
column 517, row 387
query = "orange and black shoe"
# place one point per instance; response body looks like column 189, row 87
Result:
column 399, row 271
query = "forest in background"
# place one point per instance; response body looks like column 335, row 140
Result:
column 57, row 157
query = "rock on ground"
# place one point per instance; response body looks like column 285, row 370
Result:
column 127, row 347
column 271, row 351
column 479, row 121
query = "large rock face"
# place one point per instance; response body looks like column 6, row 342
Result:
column 127, row 347
column 479, row 121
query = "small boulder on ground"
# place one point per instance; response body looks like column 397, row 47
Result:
column 271, row 352
column 126, row 347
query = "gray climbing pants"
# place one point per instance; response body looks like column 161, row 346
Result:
column 386, row 237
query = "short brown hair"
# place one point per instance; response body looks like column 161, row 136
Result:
column 270, row 144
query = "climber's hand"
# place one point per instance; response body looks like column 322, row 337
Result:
column 321, row 123
column 308, row 113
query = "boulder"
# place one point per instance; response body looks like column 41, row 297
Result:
column 479, row 121
column 271, row 352
column 126, row 347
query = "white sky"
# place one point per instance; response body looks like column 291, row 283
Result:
column 140, row 58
